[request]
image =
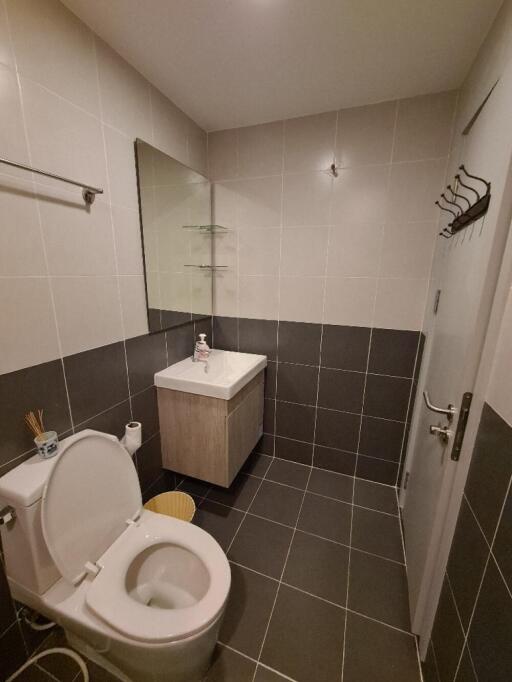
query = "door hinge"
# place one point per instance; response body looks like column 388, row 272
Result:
column 461, row 426
column 436, row 301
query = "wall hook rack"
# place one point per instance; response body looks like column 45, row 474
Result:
column 463, row 217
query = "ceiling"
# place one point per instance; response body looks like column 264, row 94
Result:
column 230, row 63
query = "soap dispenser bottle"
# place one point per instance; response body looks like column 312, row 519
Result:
column 201, row 350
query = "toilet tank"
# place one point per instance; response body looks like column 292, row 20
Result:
column 27, row 560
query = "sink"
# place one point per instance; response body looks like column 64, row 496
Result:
column 225, row 373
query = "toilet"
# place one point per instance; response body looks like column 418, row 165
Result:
column 140, row 594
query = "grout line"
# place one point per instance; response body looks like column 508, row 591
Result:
column 263, row 665
column 282, row 575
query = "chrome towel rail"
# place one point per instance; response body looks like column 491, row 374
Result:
column 88, row 192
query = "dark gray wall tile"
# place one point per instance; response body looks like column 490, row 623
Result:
column 96, row 380
column 490, row 471
column 225, row 333
column 393, row 352
column 258, row 336
column 145, row 410
column 503, row 543
column 447, row 635
column 299, row 342
column 335, row 460
column 345, row 347
column 203, row 325
column 7, row 613
column 340, row 390
column 466, row 565
column 491, row 628
column 378, row 470
column 386, row 397
column 338, row 430
column 466, row 672
column 265, row 445
column 297, row 383
column 270, row 379
column 12, row 651
column 149, row 462
column 112, row 421
column 28, row 389
column 381, row 438
column 269, row 411
column 145, row 355
column 180, row 343
column 429, row 666
column 294, row 451
column 295, row 421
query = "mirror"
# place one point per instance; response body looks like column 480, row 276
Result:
column 175, row 213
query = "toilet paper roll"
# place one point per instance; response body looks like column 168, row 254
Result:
column 132, row 438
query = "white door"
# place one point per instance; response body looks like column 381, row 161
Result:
column 467, row 271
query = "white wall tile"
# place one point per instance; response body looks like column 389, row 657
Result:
column 88, row 312
column 259, row 297
column 258, row 202
column 365, row 134
column 499, row 394
column 224, row 203
column 304, row 251
column 78, row 241
column 309, row 142
column 413, row 189
column 259, row 252
column 408, row 249
column 197, row 149
column 170, row 127
column 359, row 194
column 133, row 305
column 54, row 48
column 121, row 168
column 350, row 301
column 21, row 245
column 260, row 150
column 400, row 303
column 225, row 249
column 6, row 54
column 223, row 155
column 12, row 135
column 306, row 199
column 424, row 126
column 124, row 94
column 355, row 250
column 225, row 294
column 127, row 235
column 29, row 336
column 63, row 138
column 301, row 299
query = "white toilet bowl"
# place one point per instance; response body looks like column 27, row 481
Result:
column 139, row 593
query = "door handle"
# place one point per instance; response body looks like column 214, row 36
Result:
column 443, row 432
column 449, row 411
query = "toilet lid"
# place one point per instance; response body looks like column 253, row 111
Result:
column 91, row 493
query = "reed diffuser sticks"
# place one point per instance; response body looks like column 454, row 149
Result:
column 35, row 424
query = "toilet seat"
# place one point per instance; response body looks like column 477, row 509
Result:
column 109, row 599
column 93, row 524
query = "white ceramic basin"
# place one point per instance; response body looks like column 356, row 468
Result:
column 222, row 377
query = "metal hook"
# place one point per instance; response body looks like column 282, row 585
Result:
column 460, row 196
column 475, row 177
column 334, row 170
column 448, row 201
column 472, row 189
column 448, row 210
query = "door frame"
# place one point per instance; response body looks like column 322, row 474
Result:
column 494, row 299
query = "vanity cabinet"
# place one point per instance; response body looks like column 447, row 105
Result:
column 210, row 438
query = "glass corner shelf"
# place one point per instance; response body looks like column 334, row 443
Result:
column 213, row 229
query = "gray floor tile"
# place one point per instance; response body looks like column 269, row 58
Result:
column 318, row 566
column 331, row 484
column 289, row 473
column 239, row 494
column 248, row 610
column 377, row 533
column 328, row 518
column 261, row 545
column 265, row 675
column 220, row 521
column 277, row 502
column 257, row 464
column 378, row 588
column 228, row 666
column 378, row 653
column 375, row 496
column 194, row 487
column 305, row 638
